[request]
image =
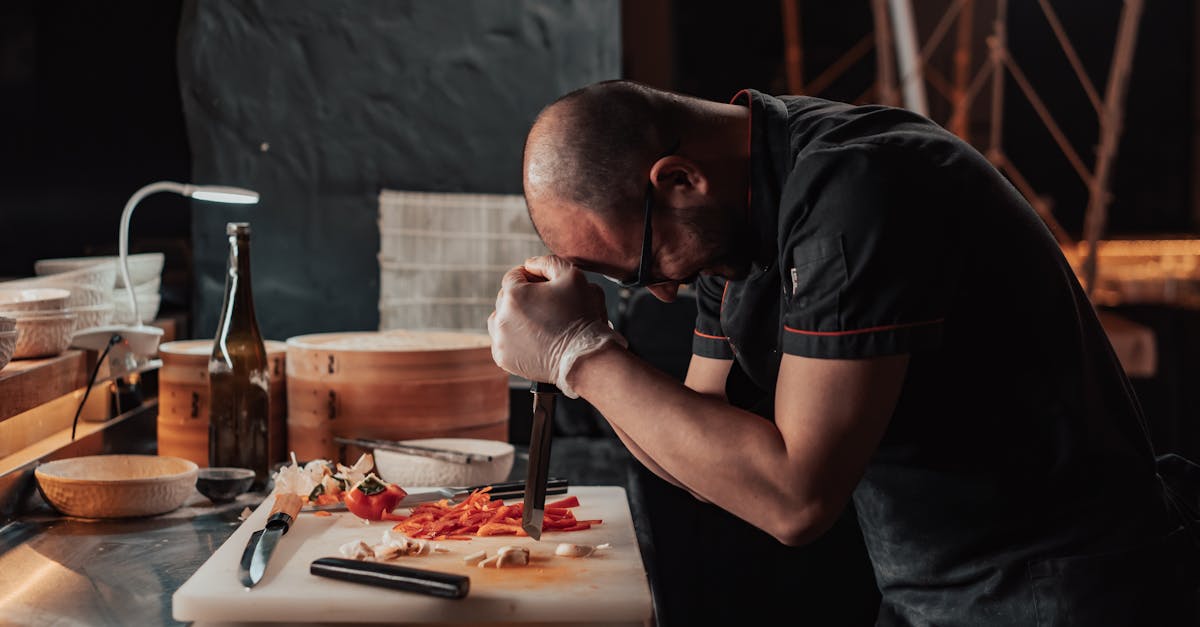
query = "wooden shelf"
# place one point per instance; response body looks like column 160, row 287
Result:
column 29, row 383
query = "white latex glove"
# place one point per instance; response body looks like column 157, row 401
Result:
column 548, row 316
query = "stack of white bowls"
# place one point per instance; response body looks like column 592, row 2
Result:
column 145, row 272
column 42, row 324
column 89, row 288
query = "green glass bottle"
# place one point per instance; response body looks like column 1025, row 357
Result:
column 238, row 373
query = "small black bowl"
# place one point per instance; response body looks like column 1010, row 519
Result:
column 222, row 485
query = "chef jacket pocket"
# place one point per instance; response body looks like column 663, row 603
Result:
column 817, row 274
column 1149, row 584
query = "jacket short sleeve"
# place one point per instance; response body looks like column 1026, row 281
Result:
column 867, row 259
column 708, row 339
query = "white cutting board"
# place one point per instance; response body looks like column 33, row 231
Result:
column 609, row 587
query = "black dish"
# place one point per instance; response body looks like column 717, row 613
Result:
column 222, row 485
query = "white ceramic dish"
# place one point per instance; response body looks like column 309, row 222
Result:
column 404, row 469
column 44, row 336
column 8, row 343
column 116, row 486
column 91, row 285
column 143, row 267
column 153, row 286
column 33, row 298
column 148, row 305
column 93, row 315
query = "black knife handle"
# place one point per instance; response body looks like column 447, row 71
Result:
column 541, row 387
column 438, row 584
column 516, row 489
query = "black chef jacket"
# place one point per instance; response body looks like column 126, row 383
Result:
column 1015, row 483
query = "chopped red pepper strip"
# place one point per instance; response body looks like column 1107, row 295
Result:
column 570, row 501
column 480, row 516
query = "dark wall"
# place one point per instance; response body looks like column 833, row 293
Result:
column 89, row 113
column 318, row 105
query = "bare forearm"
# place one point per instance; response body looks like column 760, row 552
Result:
column 648, row 461
column 722, row 454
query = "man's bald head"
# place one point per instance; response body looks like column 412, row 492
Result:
column 594, row 147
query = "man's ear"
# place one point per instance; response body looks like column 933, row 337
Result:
column 676, row 175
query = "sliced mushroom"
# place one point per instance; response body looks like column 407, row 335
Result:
column 488, row 562
column 475, row 558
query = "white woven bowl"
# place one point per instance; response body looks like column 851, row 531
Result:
column 33, row 298
column 93, row 315
column 153, row 286
column 91, row 285
column 8, row 342
column 404, row 469
column 44, row 336
column 116, row 486
column 148, row 305
column 143, row 267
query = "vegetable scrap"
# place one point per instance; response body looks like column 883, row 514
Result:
column 478, row 515
column 579, row 550
column 321, row 481
column 389, row 547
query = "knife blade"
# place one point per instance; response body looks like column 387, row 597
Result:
column 499, row 491
column 261, row 545
column 544, row 397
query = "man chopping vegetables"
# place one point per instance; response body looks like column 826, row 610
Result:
column 915, row 337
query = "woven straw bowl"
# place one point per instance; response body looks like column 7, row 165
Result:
column 117, row 486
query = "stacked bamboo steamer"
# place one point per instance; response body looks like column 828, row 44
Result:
column 394, row 385
column 183, row 399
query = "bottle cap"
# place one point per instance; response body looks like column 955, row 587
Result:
column 237, row 228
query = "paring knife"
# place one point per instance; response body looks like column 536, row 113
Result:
column 544, row 397
column 262, row 543
column 499, row 491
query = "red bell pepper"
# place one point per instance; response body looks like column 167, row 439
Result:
column 371, row 498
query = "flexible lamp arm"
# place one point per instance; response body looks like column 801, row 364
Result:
column 213, row 193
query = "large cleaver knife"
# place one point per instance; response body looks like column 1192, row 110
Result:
column 544, row 397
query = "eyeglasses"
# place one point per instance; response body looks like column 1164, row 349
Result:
column 643, row 272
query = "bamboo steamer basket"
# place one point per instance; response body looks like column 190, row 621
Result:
column 183, row 400
column 393, row 385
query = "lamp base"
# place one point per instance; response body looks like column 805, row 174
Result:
column 140, row 340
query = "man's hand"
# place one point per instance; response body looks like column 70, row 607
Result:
column 547, row 316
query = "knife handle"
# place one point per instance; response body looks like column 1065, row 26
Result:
column 516, row 489
column 438, row 584
column 285, row 510
column 541, row 387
